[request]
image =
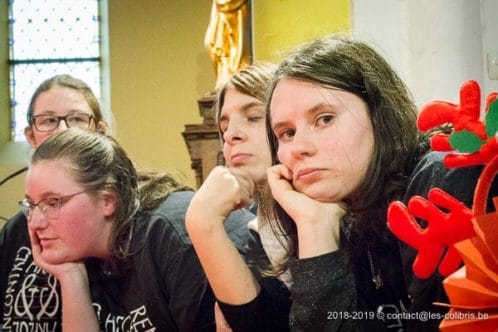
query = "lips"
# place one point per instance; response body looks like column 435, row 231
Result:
column 239, row 158
column 308, row 174
column 45, row 241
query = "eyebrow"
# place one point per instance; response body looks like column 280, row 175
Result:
column 71, row 111
column 248, row 106
column 49, row 194
column 245, row 108
column 310, row 112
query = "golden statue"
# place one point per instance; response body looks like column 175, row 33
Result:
column 228, row 37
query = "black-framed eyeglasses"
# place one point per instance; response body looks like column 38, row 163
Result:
column 46, row 122
column 49, row 207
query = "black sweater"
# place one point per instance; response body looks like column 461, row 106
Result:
column 335, row 292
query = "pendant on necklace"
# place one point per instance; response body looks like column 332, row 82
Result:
column 377, row 280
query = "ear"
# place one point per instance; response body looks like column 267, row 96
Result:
column 110, row 203
column 30, row 136
column 102, row 127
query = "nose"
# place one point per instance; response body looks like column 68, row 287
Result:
column 302, row 145
column 37, row 220
column 62, row 125
column 234, row 133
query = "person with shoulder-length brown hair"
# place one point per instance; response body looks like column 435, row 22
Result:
column 240, row 112
column 342, row 130
column 115, row 239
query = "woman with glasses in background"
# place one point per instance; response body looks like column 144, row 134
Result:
column 29, row 295
column 59, row 103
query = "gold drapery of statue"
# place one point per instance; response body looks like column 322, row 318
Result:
column 228, row 37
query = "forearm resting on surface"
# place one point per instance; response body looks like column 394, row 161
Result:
column 229, row 276
column 78, row 313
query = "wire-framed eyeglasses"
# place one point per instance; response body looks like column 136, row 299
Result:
column 49, row 207
column 47, row 122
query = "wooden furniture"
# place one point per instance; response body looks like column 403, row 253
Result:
column 203, row 142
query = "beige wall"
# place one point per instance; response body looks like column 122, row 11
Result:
column 159, row 68
column 280, row 25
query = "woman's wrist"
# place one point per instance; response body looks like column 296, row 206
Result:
column 76, row 277
column 317, row 239
column 203, row 225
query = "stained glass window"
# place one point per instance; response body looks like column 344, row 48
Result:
column 47, row 38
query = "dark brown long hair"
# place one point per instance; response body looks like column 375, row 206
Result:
column 342, row 62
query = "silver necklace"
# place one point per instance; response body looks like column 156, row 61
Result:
column 376, row 278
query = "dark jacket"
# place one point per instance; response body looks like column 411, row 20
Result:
column 335, row 291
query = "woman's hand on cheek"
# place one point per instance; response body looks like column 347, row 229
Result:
column 301, row 208
column 62, row 271
column 317, row 222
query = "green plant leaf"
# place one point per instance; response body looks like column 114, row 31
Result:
column 465, row 141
